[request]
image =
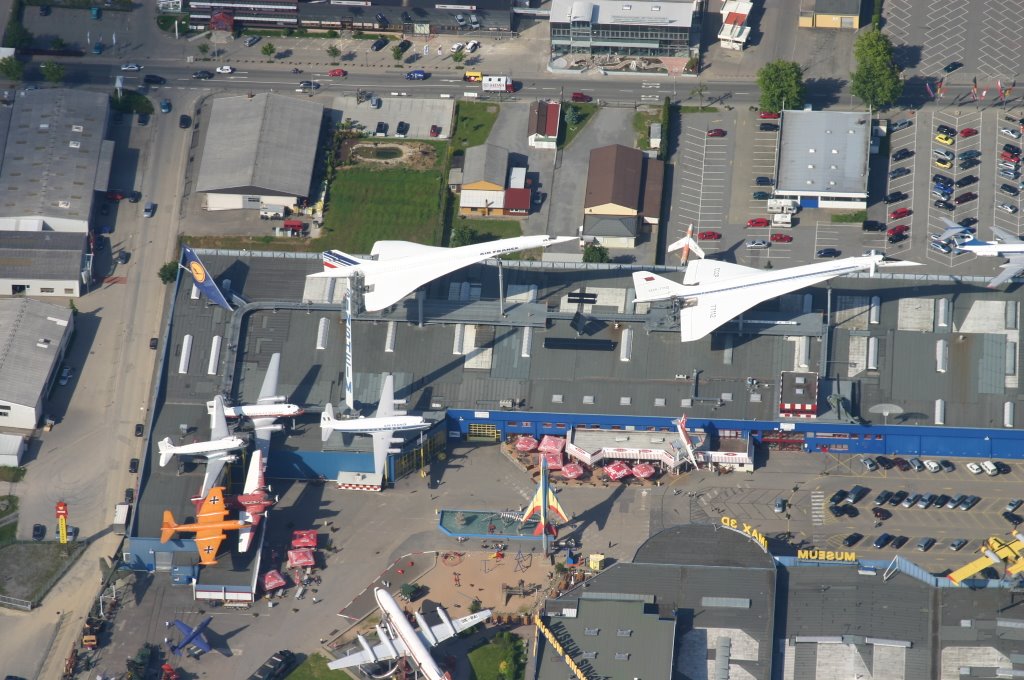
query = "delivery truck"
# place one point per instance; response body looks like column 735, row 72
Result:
column 782, row 205
column 120, row 524
column 498, row 84
column 782, row 220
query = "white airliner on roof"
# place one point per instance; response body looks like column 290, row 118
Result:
column 715, row 292
column 398, row 639
column 381, row 426
column 400, row 267
column 268, row 408
column 1006, row 245
column 217, row 449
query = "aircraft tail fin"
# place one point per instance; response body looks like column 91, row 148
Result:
column 327, row 422
column 166, row 448
column 168, row 527
column 689, row 243
column 338, row 264
column 653, row 287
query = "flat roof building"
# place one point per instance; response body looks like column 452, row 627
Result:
column 33, row 339
column 660, row 28
column 44, row 263
column 259, row 151
column 823, row 158
column 411, row 17
column 843, row 14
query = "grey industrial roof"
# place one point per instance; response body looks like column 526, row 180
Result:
column 693, row 545
column 42, row 254
column 617, row 640
column 30, row 339
column 824, row 153
column 612, row 12
column 53, row 153
column 264, row 144
column 485, row 163
column 610, row 225
column 848, row 7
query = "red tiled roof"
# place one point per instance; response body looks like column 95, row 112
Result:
column 517, row 199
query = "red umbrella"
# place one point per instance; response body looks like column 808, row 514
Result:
column 643, row 470
column 304, row 539
column 572, row 471
column 525, row 444
column 552, row 444
column 273, row 580
column 303, row 557
column 617, row 470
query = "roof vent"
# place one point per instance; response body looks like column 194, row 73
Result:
column 591, row 631
column 656, row 8
column 627, row 7
column 589, row 655
column 588, row 399
column 556, row 398
column 831, row 182
column 64, row 204
column 77, row 128
column 622, row 656
column 835, row 151
column 828, row 132
column 44, row 126
column 43, row 342
column 75, row 144
column 811, row 150
column 810, row 181
column 833, row 167
column 810, row 167
column 624, row 632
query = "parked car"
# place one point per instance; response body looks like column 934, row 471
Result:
column 149, row 210
column 768, row 115
column 1007, row 208
column 66, row 374
column 941, row 501
column 869, row 464
column 952, row 66
column 852, row 539
column 898, row 498
column 716, row 132
column 965, row 198
column 932, row 466
column 899, row 172
column 974, row 468
column 251, row 40
column 761, row 195
column 1010, row 132
column 379, row 44
column 768, row 127
column 757, row 244
column 900, row 213
column 944, row 205
column 911, row 500
column 708, row 236
column 925, row 543
column 882, row 541
column 902, row 154
column 958, row 543
column 184, row 122
column 758, row 222
column 828, row 252
column 139, row 429
column 883, row 497
column 873, row 225
column 896, row 197
column 944, row 139
column 458, row 47
column 881, row 513
column 133, row 466
column 165, row 106
column 435, row 130
column 969, row 502
column 968, row 132
column 946, row 466
column 153, row 342
column 781, row 238
column 580, row 98
column 946, row 130
column 898, row 542
column 472, row 46
column 966, row 180
column 402, row 129
column 780, row 505
column 900, row 124
column 337, row 73
column 943, row 163
column 764, row 181
column 838, row 497
column 38, row 532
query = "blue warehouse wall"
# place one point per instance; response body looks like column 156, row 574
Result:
column 284, row 464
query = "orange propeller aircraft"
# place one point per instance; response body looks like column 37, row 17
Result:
column 209, row 526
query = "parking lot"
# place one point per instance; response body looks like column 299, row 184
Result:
column 703, row 178
column 419, row 113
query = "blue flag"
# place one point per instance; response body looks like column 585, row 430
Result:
column 203, row 280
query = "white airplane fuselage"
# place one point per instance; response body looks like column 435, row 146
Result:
column 404, row 630
column 391, row 424
column 203, row 448
column 263, row 411
column 994, row 249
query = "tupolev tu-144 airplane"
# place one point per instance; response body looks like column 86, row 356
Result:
column 1006, row 245
column 398, row 639
column 714, row 292
column 400, row 267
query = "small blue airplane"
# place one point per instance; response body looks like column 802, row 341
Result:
column 193, row 636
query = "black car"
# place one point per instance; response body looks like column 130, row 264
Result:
column 1001, row 467
column 402, row 129
column 898, row 238
column 1011, row 148
column 133, row 466
column 884, row 463
column 1011, row 518
column 882, row 541
column 896, row 197
column 837, row 497
column 850, row 510
column 44, row 10
column 143, row 119
column 202, row 75
column 828, row 252
column 129, row 495
column 899, row 172
column 139, row 429
column 764, row 182
column 969, row 163
column 964, row 198
column 946, row 130
column 761, row 195
column 404, row 45
column 900, row 124
column 768, row 127
column 153, row 343
column 184, row 122
column 968, row 222
column 968, row 155
column 151, row 79
column 1009, row 189
column 941, row 501
column 966, row 180
column 38, row 532
column 945, row 205
column 381, row 131
column 898, row 498
column 123, row 257
column 383, row 20
column 852, row 539
column 881, row 513
column 837, row 510
column 873, row 225
column 952, row 66
column 902, row 154
column 379, row 44
column 939, row 178
column 899, row 542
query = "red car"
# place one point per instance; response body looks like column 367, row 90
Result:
column 968, row 132
column 708, row 236
column 1007, row 156
column 899, row 213
column 897, row 230
column 581, row 97
column 337, row 73
column 716, row 132
column 758, row 222
column 781, row 238
column 768, row 115
column 435, row 130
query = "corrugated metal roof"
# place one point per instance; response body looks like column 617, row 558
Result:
column 32, row 336
column 479, row 198
column 268, row 141
column 485, row 163
column 55, row 255
column 824, row 152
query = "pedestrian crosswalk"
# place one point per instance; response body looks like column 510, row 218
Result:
column 817, row 508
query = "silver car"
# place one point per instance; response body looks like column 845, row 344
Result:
column 757, row 244
column 1007, row 208
column 1010, row 132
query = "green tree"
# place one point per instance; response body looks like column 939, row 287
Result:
column 332, row 51
column 459, row 57
column 699, row 93
column 572, row 115
column 168, row 272
column 11, row 68
column 462, row 235
column 17, row 36
column 58, row 44
column 396, row 53
column 595, row 252
column 203, row 48
column 52, row 71
column 877, row 80
column 782, row 85
column 268, row 49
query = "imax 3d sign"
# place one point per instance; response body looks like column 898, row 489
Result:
column 747, row 530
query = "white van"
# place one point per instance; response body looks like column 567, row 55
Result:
column 990, row 468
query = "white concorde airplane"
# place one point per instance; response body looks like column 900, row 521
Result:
column 400, row 267
column 397, row 637
column 1006, row 245
column 217, row 450
column 715, row 292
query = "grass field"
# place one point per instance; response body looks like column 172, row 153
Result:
column 473, row 123
column 489, row 230
column 587, row 112
column 10, row 503
column 486, row 660
column 11, row 474
column 369, row 205
column 315, row 668
column 642, row 126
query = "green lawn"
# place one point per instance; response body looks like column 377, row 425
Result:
column 473, row 123
column 7, row 534
column 11, row 474
column 368, row 205
column 489, row 230
column 642, row 126
column 851, row 217
column 485, row 661
column 12, row 505
column 315, row 668
column 587, row 112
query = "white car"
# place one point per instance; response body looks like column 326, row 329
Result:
column 932, row 466
column 974, row 468
column 457, row 47
column 472, row 45
column 1010, row 132
column 1007, row 208
column 130, row 67
column 225, row 69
